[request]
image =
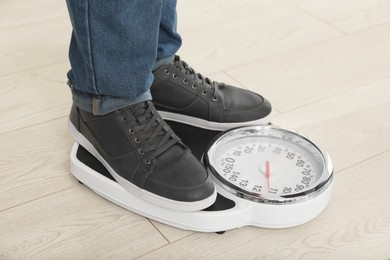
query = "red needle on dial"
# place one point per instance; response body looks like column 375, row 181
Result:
column 267, row 173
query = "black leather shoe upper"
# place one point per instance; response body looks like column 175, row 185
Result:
column 178, row 88
column 140, row 147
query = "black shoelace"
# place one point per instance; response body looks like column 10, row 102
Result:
column 149, row 130
column 208, row 84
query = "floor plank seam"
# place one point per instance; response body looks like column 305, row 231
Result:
column 321, row 20
column 301, row 48
column 280, row 54
column 359, row 86
column 36, row 124
column 158, row 230
column 36, row 23
column 34, row 68
column 165, row 245
column 364, row 161
column 38, row 198
column 369, row 28
column 194, row 29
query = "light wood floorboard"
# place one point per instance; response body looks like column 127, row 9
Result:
column 75, row 224
column 307, row 75
column 324, row 65
column 34, row 162
column 234, row 43
column 354, row 226
column 34, row 96
column 349, row 15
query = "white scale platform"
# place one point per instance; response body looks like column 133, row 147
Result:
column 228, row 212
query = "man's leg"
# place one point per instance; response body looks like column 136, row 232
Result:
column 169, row 41
column 112, row 53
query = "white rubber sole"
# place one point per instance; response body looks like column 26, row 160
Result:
column 136, row 191
column 201, row 123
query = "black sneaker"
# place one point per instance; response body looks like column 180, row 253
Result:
column 144, row 156
column 180, row 94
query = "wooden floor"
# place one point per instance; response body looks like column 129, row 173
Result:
column 324, row 65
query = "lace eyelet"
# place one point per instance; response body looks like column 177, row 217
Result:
column 137, row 140
column 194, row 87
column 174, row 76
column 141, row 151
column 185, row 81
column 147, row 162
column 131, row 131
column 123, row 119
column 215, row 98
column 166, row 72
column 204, row 93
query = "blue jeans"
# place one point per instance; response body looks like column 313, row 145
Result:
column 115, row 46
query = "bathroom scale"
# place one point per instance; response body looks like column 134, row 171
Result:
column 266, row 176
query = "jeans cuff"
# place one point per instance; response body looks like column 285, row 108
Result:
column 163, row 61
column 100, row 105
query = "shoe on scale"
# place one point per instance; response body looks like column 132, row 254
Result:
column 182, row 95
column 144, row 156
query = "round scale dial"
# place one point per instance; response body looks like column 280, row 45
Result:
column 268, row 164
